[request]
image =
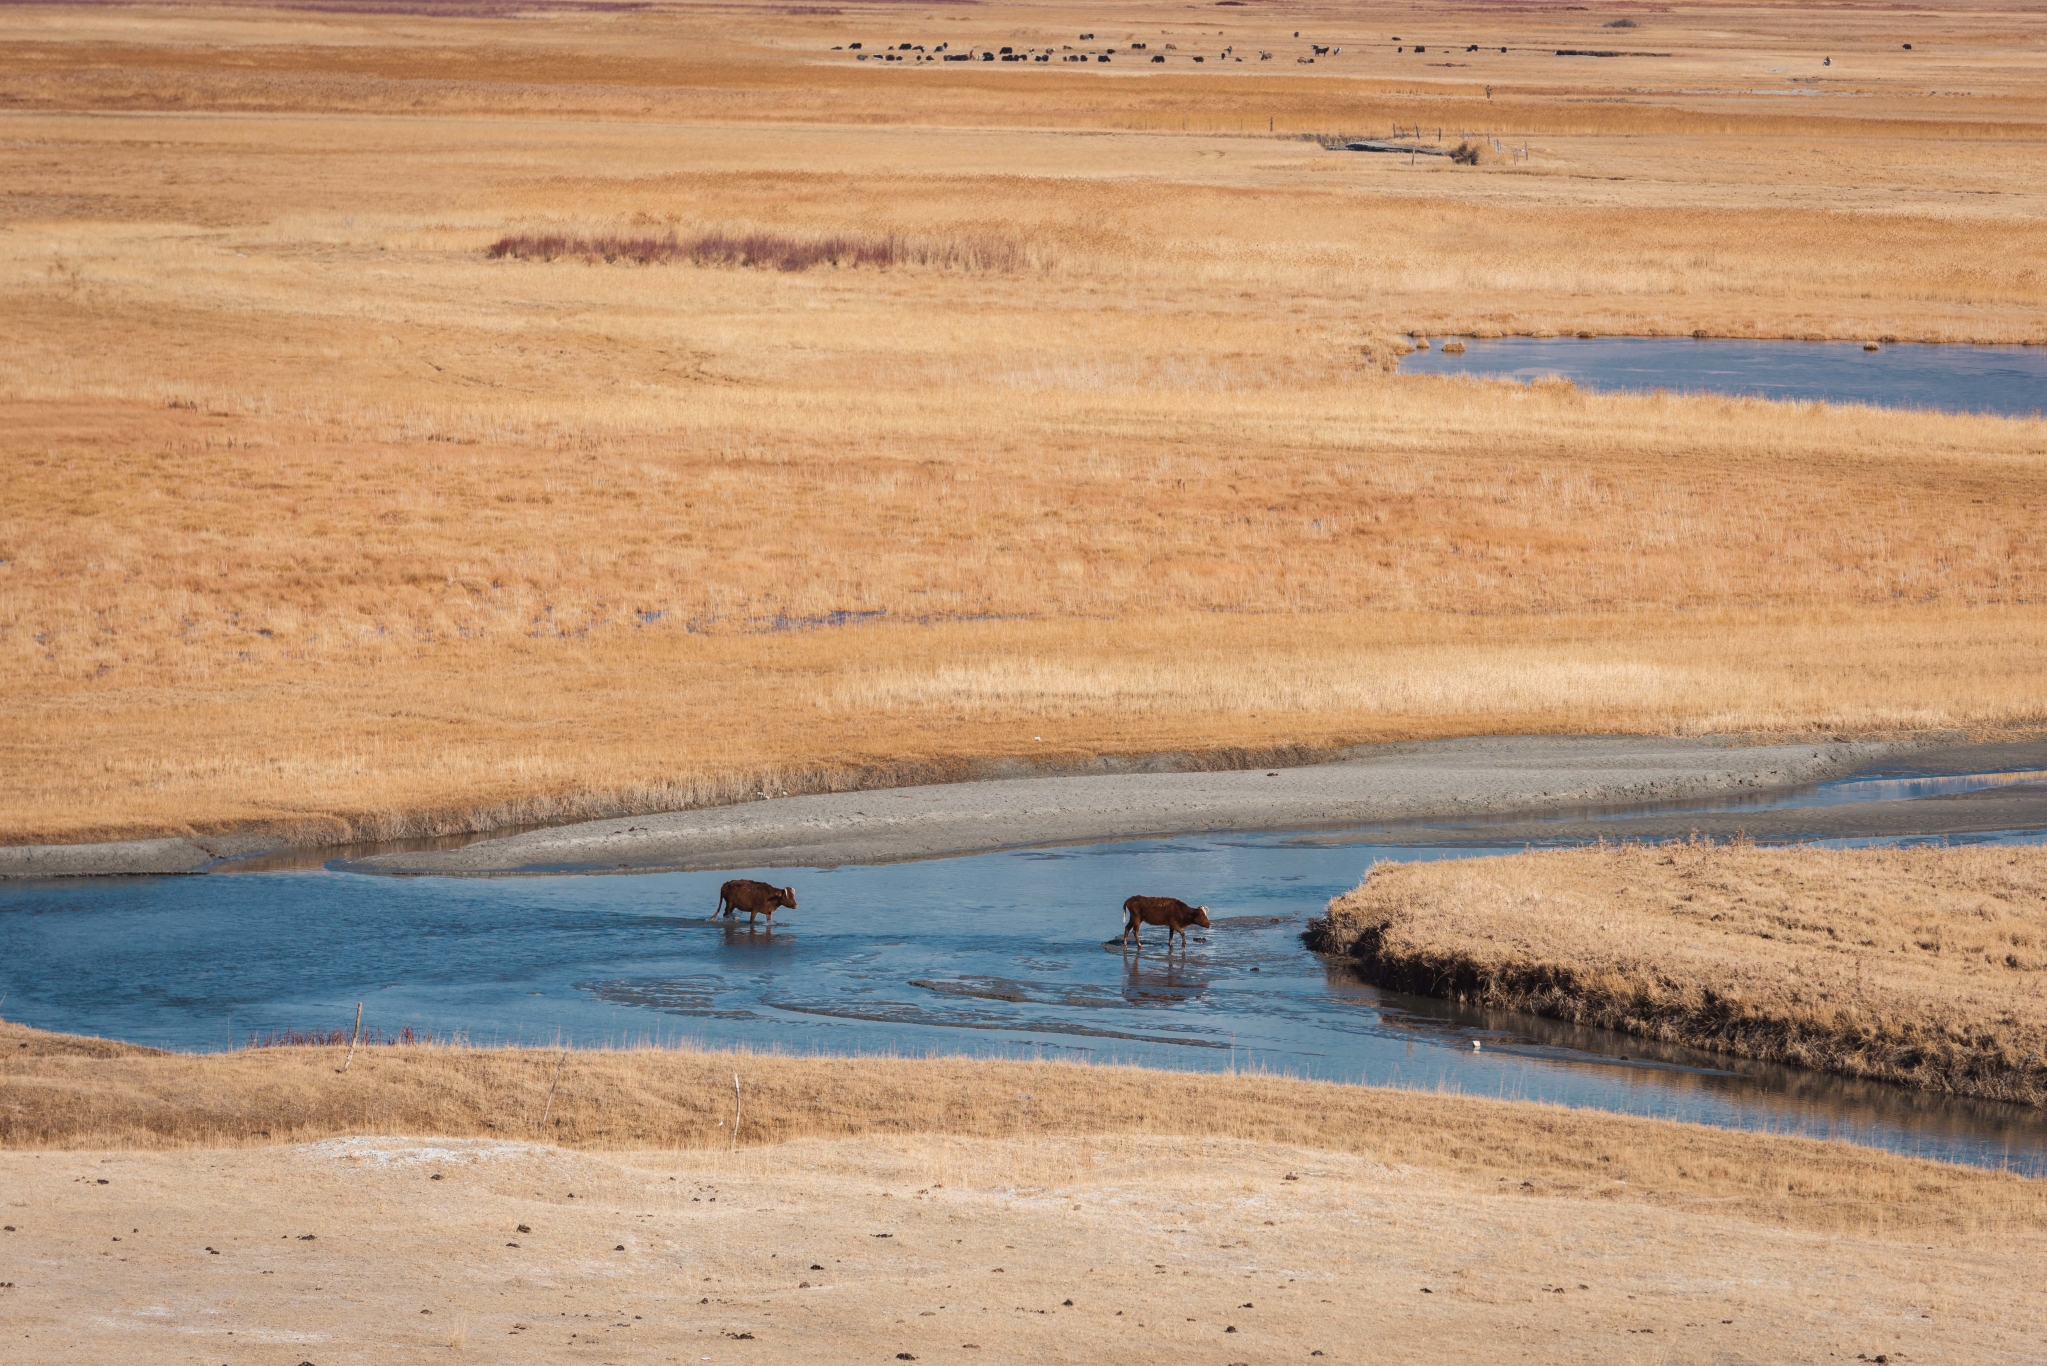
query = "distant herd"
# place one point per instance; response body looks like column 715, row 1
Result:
column 759, row 899
column 915, row 53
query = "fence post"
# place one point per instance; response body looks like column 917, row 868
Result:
column 353, row 1038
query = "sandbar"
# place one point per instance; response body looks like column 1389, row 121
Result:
column 1496, row 790
column 1439, row 780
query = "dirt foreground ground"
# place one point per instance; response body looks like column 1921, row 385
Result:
column 931, row 1249
column 254, row 1208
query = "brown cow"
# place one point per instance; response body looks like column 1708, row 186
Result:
column 755, row 898
column 1175, row 914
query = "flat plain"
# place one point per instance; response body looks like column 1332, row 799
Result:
column 315, row 518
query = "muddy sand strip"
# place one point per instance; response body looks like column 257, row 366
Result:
column 1446, row 780
column 1494, row 790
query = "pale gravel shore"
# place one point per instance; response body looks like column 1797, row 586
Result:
column 1440, row 780
column 1521, row 788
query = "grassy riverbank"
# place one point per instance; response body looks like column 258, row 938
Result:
column 316, row 517
column 539, row 1205
column 59, row 1092
column 1925, row 967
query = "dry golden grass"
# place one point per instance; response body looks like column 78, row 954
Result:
column 396, row 741
column 60, row 1092
column 1921, row 966
column 313, row 515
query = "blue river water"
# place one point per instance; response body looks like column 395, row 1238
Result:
column 2010, row 381
column 999, row 954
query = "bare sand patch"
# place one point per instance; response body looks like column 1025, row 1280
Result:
column 1440, row 780
column 934, row 1248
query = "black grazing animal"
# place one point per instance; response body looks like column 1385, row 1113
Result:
column 755, row 898
column 1175, row 914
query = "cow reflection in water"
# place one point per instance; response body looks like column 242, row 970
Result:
column 1168, row 981
column 1172, row 980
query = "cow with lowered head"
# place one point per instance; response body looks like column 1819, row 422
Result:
column 755, row 898
column 1175, row 914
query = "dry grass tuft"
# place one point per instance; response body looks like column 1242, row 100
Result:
column 769, row 251
column 1924, row 966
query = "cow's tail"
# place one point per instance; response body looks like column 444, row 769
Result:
column 719, row 909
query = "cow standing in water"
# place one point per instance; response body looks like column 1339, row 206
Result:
column 1175, row 914
column 755, row 898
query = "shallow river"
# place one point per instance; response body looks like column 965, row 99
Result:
column 2007, row 380
column 999, row 954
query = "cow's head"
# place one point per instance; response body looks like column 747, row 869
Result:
column 1201, row 916
column 787, row 896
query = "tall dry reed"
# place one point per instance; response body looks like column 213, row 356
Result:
column 767, row 251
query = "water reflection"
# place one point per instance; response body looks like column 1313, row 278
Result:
column 1844, row 792
column 1830, row 1105
column 2007, row 380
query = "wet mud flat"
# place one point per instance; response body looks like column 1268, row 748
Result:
column 1986, row 813
column 1513, row 788
column 1523, row 790
column 1449, row 780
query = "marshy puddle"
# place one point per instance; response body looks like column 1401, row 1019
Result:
column 1812, row 797
column 998, row 954
column 2010, row 381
